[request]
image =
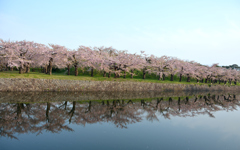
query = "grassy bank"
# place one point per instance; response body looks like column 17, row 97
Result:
column 97, row 77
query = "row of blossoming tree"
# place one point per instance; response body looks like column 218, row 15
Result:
column 26, row 54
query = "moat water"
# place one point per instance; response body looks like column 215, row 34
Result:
column 149, row 120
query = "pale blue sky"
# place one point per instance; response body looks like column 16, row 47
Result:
column 206, row 31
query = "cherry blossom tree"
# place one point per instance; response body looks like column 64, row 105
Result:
column 159, row 66
column 58, row 56
column 26, row 54
column 172, row 67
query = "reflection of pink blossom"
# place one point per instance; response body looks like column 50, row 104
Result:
column 56, row 116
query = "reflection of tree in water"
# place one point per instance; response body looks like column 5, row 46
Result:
column 197, row 105
column 54, row 116
column 116, row 112
column 34, row 118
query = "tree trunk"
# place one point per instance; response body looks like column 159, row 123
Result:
column 115, row 75
column 230, row 81
column 24, row 68
column 219, row 81
column 171, row 77
column 124, row 76
column 225, row 82
column 163, row 77
column 46, row 69
column 72, row 111
column 104, row 74
column 206, row 80
column 27, row 68
column 180, row 79
column 50, row 67
column 47, row 111
column 109, row 74
column 6, row 68
column 89, row 106
column 11, row 68
column 235, row 82
column 26, row 71
column 188, row 78
column 132, row 74
column 68, row 66
column 76, row 70
column 91, row 71
column 159, row 77
column 197, row 81
column 20, row 70
column 65, row 105
column 144, row 74
column 187, row 100
column 19, row 110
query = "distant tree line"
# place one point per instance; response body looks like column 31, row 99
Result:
column 234, row 66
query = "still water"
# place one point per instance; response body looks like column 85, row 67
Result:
column 120, row 121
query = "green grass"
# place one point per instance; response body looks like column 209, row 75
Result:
column 97, row 77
